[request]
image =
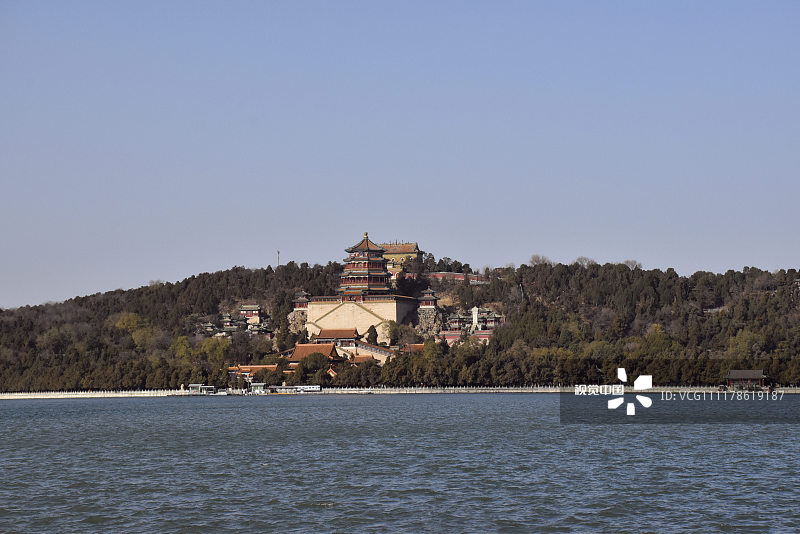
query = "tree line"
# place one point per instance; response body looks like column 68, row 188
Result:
column 565, row 324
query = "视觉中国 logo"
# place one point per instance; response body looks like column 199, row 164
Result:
column 642, row 383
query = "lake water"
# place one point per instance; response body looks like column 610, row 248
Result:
column 383, row 463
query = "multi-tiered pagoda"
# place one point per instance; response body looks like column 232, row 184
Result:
column 364, row 298
column 365, row 270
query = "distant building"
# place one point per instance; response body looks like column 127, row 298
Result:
column 293, row 356
column 478, row 324
column 301, row 350
column 201, row 389
column 429, row 315
column 341, row 337
column 377, row 352
column 428, row 299
column 250, row 313
column 301, row 301
column 413, row 348
column 231, row 325
column 349, row 345
column 364, row 271
column 250, row 318
column 261, row 329
column 258, row 388
column 209, row 328
column 363, row 299
column 247, row 372
column 401, row 256
column 743, row 378
column 474, row 279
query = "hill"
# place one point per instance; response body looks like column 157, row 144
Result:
column 565, row 324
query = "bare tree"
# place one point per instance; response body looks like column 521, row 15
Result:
column 538, row 259
column 583, row 261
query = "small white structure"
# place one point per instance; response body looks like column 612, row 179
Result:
column 201, row 389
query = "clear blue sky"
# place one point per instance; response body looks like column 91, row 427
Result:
column 156, row 140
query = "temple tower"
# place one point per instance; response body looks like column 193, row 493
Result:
column 364, row 270
column 363, row 298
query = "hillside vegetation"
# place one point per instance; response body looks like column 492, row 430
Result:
column 565, row 324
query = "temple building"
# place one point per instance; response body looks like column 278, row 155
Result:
column 745, row 378
column 400, row 256
column 345, row 337
column 365, row 271
column 430, row 318
column 479, row 324
column 295, row 355
column 252, row 313
column 363, row 298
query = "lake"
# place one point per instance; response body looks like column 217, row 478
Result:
column 384, row 463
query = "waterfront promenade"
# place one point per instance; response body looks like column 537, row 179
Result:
column 353, row 391
column 523, row 389
column 94, row 394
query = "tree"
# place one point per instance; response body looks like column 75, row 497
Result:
column 129, row 322
column 538, row 259
column 314, row 362
column 215, row 350
column 182, row 349
column 372, row 335
column 429, row 262
column 583, row 261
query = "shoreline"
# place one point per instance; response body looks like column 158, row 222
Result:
column 354, row 391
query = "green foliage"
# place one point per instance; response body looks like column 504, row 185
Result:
column 372, row 335
column 366, row 374
column 128, row 321
column 182, row 349
column 145, row 337
column 214, row 350
column 314, row 362
column 564, row 324
column 399, row 334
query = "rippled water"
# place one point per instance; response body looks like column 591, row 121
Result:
column 412, row 463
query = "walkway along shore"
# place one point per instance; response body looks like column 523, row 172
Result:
column 350, row 391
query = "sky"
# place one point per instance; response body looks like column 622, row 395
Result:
column 149, row 140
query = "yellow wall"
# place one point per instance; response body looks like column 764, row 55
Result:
column 398, row 258
column 356, row 315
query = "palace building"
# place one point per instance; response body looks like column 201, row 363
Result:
column 363, row 298
column 479, row 324
column 365, row 271
column 400, row 256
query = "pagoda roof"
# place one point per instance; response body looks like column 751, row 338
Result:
column 745, row 374
column 301, row 350
column 301, row 296
column 338, row 333
column 365, row 245
column 400, row 248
